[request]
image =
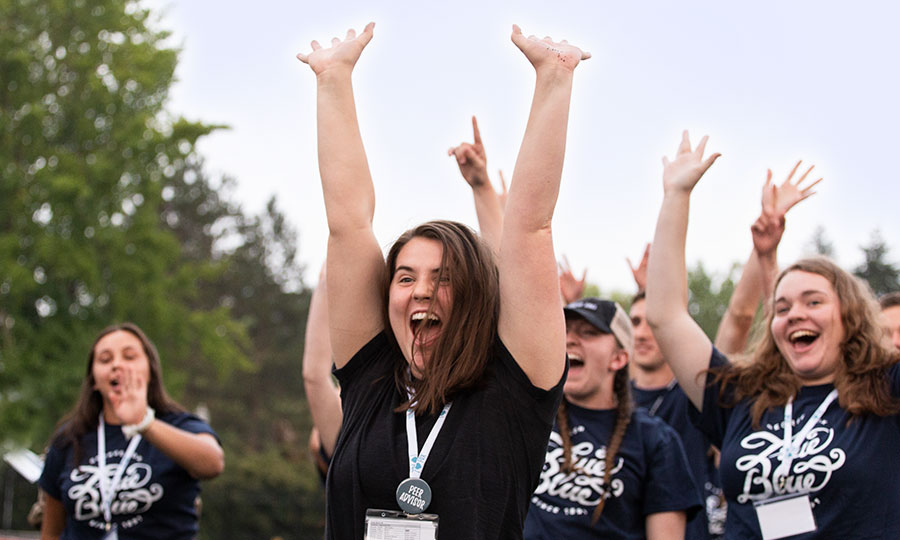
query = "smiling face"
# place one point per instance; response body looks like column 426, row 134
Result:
column 594, row 358
column 115, row 353
column 419, row 300
column 806, row 326
column 647, row 355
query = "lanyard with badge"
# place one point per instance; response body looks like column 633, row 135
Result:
column 791, row 514
column 109, row 488
column 413, row 494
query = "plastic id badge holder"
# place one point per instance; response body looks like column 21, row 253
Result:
column 785, row 516
column 396, row 525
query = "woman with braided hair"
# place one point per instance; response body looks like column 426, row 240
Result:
column 611, row 471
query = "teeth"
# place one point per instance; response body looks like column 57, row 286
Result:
column 801, row 334
column 420, row 316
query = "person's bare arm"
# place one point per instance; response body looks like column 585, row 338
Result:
column 666, row 525
column 321, row 392
column 758, row 275
column 472, row 162
column 54, row 518
column 531, row 318
column 355, row 263
column 681, row 340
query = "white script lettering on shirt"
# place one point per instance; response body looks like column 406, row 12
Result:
column 810, row 471
column 133, row 497
column 585, row 485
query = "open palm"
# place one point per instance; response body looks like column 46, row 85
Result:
column 342, row 54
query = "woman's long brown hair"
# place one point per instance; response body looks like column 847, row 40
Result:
column 461, row 352
column 84, row 416
column 861, row 378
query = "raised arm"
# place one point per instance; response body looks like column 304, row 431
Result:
column 531, row 318
column 758, row 275
column 355, row 263
column 321, row 392
column 472, row 162
column 681, row 340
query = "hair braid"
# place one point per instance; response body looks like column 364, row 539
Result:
column 562, row 418
column 622, row 389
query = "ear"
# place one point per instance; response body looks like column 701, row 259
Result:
column 619, row 360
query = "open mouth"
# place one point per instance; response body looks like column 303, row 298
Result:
column 575, row 362
column 423, row 320
column 803, row 338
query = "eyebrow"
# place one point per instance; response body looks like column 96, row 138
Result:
column 410, row 269
column 808, row 292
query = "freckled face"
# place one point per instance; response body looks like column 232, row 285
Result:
column 891, row 317
column 115, row 353
column 414, row 288
column 647, row 355
column 807, row 326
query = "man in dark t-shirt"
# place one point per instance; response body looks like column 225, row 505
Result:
column 655, row 389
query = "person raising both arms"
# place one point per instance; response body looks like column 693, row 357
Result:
column 448, row 361
column 126, row 462
column 808, row 425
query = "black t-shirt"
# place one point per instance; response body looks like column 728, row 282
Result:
column 671, row 405
column 650, row 475
column 483, row 467
column 849, row 469
column 156, row 497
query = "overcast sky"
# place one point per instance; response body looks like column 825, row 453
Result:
column 771, row 82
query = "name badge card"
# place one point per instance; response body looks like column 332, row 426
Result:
column 785, row 516
column 394, row 525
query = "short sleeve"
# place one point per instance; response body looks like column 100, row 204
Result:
column 516, row 382
column 54, row 464
column 713, row 419
column 670, row 486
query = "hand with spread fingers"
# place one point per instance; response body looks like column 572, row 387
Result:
column 546, row 53
column 129, row 399
column 342, row 54
column 683, row 172
column 787, row 194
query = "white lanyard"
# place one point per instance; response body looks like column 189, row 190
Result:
column 108, row 489
column 792, row 443
column 661, row 397
column 416, row 458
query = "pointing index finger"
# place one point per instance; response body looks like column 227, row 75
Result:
column 475, row 131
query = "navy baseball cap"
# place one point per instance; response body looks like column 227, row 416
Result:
column 607, row 316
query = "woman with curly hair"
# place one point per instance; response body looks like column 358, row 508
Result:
column 808, row 423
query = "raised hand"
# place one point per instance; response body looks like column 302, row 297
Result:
column 640, row 273
column 546, row 53
column 769, row 226
column 471, row 159
column 341, row 54
column 129, row 399
column 788, row 194
column 570, row 287
column 683, row 172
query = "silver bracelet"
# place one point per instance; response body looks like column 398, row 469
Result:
column 130, row 430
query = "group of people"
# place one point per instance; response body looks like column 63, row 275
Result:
column 481, row 397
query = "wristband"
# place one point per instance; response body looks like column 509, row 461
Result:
column 130, row 430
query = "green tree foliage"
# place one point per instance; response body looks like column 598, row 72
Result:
column 882, row 275
column 709, row 296
column 87, row 149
